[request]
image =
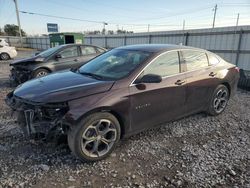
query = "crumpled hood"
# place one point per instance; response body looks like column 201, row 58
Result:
column 61, row 87
column 26, row 61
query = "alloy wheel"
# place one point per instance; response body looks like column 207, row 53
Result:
column 98, row 138
column 220, row 100
column 41, row 74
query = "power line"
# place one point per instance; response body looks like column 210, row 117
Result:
column 60, row 17
column 190, row 11
column 84, row 20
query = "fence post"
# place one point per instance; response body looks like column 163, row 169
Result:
column 186, row 40
column 105, row 42
column 36, row 43
column 90, row 40
column 149, row 39
column 41, row 42
column 125, row 40
column 238, row 48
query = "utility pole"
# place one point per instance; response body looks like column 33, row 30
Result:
column 104, row 30
column 215, row 10
column 148, row 28
column 237, row 22
column 18, row 22
column 183, row 29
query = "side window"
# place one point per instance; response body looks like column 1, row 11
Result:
column 194, row 59
column 87, row 50
column 69, row 52
column 165, row 65
column 212, row 59
column 100, row 50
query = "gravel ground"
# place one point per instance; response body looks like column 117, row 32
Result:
column 197, row 151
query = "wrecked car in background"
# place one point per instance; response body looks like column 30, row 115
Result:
column 54, row 59
column 123, row 92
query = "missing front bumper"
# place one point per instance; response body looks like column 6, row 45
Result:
column 19, row 76
column 34, row 119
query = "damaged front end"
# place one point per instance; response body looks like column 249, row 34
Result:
column 39, row 120
column 19, row 74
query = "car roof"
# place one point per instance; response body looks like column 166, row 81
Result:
column 156, row 47
column 73, row 44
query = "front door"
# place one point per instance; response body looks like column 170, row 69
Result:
column 69, row 58
column 156, row 103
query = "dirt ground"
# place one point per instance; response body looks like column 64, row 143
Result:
column 197, row 151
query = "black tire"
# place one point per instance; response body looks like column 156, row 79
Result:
column 4, row 56
column 218, row 104
column 40, row 73
column 79, row 145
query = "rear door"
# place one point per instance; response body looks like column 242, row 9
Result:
column 70, row 56
column 155, row 103
column 201, row 79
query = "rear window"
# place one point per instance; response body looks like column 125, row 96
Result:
column 212, row 59
column 100, row 50
column 87, row 50
column 194, row 59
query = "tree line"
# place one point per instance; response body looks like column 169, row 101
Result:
column 11, row 30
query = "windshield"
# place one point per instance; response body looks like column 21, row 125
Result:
column 49, row 52
column 115, row 64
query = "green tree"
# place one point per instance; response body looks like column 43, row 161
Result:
column 13, row 30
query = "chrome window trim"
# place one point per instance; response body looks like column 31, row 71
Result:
column 180, row 73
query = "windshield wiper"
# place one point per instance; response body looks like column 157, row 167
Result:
column 98, row 77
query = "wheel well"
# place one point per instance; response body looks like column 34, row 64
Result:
column 114, row 113
column 228, row 87
column 43, row 68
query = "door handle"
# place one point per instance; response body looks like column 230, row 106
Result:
column 179, row 82
column 75, row 60
column 212, row 74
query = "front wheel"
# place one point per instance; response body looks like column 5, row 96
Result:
column 219, row 100
column 95, row 137
column 40, row 73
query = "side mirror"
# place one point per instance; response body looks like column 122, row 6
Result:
column 58, row 56
column 151, row 78
column 37, row 53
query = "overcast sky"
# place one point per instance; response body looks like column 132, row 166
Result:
column 127, row 14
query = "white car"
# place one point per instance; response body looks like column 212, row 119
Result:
column 7, row 52
column 3, row 42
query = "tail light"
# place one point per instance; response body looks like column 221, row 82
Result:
column 237, row 69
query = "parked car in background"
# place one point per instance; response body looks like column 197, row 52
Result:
column 3, row 42
column 7, row 52
column 54, row 59
column 122, row 92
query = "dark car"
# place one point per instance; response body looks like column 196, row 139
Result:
column 54, row 59
column 123, row 92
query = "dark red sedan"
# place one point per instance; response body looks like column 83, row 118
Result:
column 123, row 92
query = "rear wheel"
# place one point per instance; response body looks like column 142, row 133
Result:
column 40, row 73
column 4, row 56
column 219, row 100
column 95, row 137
